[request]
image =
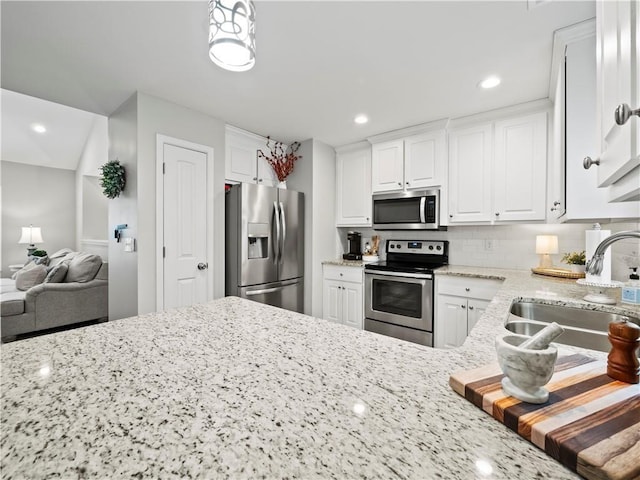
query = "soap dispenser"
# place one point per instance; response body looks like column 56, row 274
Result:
column 631, row 291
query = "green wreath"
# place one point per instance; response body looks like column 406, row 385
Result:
column 113, row 178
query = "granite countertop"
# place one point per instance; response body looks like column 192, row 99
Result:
column 344, row 263
column 237, row 389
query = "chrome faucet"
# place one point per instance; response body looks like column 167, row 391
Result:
column 594, row 266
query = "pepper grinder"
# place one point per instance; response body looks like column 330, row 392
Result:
column 622, row 362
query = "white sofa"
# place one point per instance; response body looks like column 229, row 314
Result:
column 49, row 305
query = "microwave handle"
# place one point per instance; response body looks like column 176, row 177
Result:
column 423, row 207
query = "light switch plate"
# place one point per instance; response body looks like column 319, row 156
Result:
column 129, row 244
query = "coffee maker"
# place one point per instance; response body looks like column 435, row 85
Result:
column 354, row 242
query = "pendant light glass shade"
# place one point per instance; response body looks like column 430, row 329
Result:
column 232, row 42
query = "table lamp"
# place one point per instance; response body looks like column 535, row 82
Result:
column 545, row 246
column 31, row 235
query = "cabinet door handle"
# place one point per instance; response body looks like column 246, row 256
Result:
column 255, row 178
column 497, row 214
column 466, row 289
column 463, row 306
column 407, row 183
column 259, row 180
column 588, row 161
column 470, row 308
column 451, row 216
column 400, row 184
column 624, row 113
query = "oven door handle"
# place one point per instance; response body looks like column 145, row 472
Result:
column 427, row 276
column 423, row 207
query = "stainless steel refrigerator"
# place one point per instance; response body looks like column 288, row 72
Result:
column 265, row 245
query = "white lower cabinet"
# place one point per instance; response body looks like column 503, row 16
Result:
column 342, row 300
column 459, row 304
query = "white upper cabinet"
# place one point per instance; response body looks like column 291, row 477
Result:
column 424, row 160
column 387, row 162
column 409, row 159
column 242, row 162
column 520, row 168
column 497, row 169
column 353, row 185
column 618, row 82
column 577, row 196
column 470, row 153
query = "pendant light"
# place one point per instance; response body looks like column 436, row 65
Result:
column 232, row 42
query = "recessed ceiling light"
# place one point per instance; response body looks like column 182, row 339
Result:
column 361, row 119
column 38, row 128
column 490, row 82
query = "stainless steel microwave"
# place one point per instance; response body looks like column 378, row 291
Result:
column 414, row 210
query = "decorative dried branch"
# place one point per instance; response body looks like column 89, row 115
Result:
column 280, row 160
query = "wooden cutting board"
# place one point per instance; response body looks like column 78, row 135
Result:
column 590, row 424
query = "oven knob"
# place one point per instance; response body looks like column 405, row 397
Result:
column 438, row 247
column 398, row 246
column 392, row 246
column 430, row 247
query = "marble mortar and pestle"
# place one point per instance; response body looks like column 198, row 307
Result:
column 528, row 363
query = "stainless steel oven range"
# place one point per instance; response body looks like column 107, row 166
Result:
column 399, row 291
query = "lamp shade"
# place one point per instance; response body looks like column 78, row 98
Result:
column 546, row 244
column 31, row 235
column 232, row 41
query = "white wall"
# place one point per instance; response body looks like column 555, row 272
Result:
column 123, row 267
column 94, row 154
column 42, row 196
column 513, row 246
column 315, row 175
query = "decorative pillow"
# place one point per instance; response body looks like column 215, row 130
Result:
column 27, row 266
column 56, row 274
column 60, row 256
column 31, row 277
column 83, row 268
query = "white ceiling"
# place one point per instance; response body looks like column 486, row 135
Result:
column 61, row 146
column 318, row 63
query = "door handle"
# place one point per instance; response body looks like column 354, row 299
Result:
column 203, row 266
column 276, row 244
column 251, row 293
column 423, row 207
column 284, row 229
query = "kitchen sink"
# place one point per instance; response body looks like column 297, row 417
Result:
column 582, row 328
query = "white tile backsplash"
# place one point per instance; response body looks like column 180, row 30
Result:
column 513, row 246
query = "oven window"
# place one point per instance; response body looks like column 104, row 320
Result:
column 405, row 210
column 397, row 297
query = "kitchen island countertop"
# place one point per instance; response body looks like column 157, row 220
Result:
column 237, row 389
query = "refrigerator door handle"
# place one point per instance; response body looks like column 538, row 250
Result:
column 276, row 244
column 263, row 291
column 284, row 230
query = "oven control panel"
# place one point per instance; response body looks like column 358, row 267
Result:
column 418, row 247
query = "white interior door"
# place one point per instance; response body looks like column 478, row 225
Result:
column 185, row 226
